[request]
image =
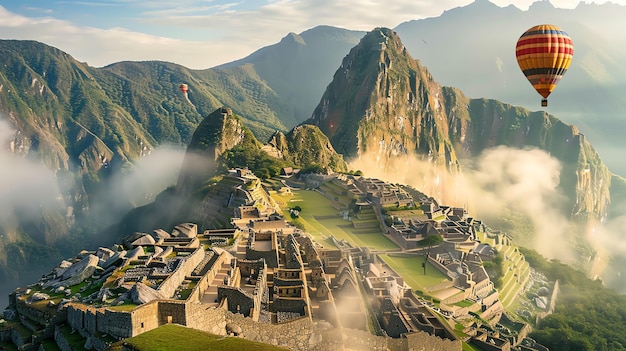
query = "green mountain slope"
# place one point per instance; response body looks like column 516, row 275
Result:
column 299, row 67
column 385, row 110
column 207, row 194
column 473, row 48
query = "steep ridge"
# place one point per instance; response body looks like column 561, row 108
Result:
column 306, row 145
column 382, row 100
column 310, row 57
column 472, row 48
column 207, row 194
column 218, row 132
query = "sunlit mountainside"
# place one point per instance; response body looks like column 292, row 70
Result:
column 473, row 48
column 337, row 190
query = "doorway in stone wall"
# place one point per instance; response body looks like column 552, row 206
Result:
column 169, row 319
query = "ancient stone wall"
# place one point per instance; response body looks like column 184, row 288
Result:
column 169, row 285
column 486, row 346
column 142, row 319
column 339, row 339
column 205, row 281
column 491, row 298
column 13, row 335
column 438, row 265
column 90, row 323
column 62, row 343
column 75, row 315
column 290, row 305
column 424, row 341
column 237, row 300
column 5, row 334
column 300, row 334
column 38, row 315
column 199, row 317
column 441, row 286
column 456, row 298
column 304, row 335
column 94, row 343
column 271, row 257
column 119, row 324
column 172, row 312
column 493, row 312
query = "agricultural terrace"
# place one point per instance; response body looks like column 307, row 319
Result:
column 323, row 220
column 410, row 268
column 515, row 269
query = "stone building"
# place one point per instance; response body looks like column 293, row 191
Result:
column 269, row 279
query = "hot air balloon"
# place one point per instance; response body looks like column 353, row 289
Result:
column 184, row 88
column 544, row 53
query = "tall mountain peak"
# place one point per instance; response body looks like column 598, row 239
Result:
column 221, row 130
column 483, row 3
column 541, row 5
column 382, row 100
column 382, row 103
column 292, row 38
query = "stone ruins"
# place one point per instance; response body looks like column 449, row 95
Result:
column 268, row 281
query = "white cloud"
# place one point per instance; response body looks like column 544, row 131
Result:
column 500, row 180
column 100, row 47
column 24, row 183
column 216, row 31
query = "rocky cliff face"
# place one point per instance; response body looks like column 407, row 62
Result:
column 218, row 132
column 306, row 145
column 382, row 101
column 206, row 194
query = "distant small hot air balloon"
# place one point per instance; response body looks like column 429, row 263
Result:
column 184, row 88
column 544, row 53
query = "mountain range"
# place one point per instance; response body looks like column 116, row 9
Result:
column 88, row 124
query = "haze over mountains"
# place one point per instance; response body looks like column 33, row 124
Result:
column 473, row 48
column 87, row 124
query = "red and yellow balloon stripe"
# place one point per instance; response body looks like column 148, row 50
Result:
column 544, row 54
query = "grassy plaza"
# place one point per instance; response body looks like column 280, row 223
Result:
column 322, row 220
column 410, row 268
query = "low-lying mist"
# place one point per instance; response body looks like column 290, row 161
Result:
column 504, row 183
column 30, row 192
column 25, row 183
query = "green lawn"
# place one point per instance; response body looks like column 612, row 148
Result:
column 469, row 347
column 172, row 337
column 410, row 268
column 464, row 303
column 322, row 220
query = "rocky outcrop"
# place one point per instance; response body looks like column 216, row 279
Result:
column 218, row 132
column 306, row 145
column 74, row 274
column 141, row 293
column 382, row 101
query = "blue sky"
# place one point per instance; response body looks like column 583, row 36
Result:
column 200, row 33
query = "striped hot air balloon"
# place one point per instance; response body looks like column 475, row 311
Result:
column 544, row 53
